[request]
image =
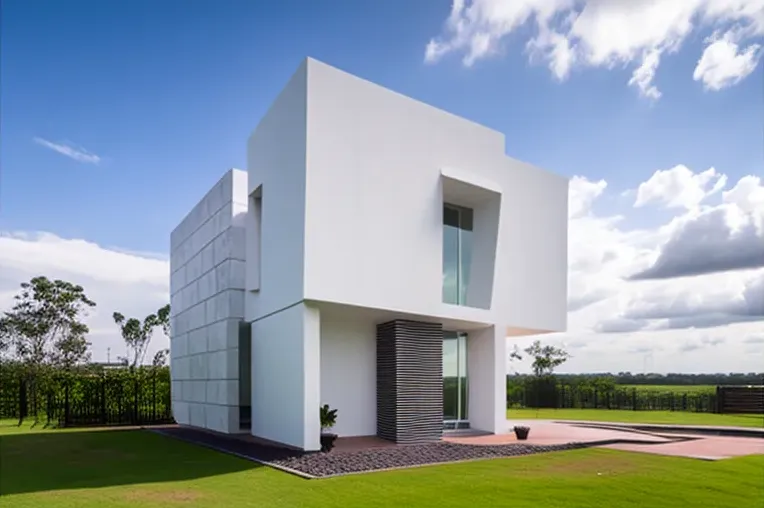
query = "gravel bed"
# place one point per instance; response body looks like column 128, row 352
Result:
column 333, row 464
column 322, row 465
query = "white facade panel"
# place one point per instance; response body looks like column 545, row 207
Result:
column 349, row 372
column 373, row 232
column 276, row 165
column 286, row 378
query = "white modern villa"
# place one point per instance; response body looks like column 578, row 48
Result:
column 377, row 255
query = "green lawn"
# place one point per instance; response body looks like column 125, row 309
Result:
column 614, row 415
column 119, row 468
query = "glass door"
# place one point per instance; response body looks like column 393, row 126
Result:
column 455, row 380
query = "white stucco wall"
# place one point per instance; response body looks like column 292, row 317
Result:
column 487, row 379
column 286, row 377
column 373, row 230
column 276, row 170
column 207, row 302
column 349, row 372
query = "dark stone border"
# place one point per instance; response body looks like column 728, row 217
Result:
column 234, row 445
column 326, row 465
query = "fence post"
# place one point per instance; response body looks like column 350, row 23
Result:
column 153, row 396
column 103, row 399
column 135, row 399
column 719, row 400
column 49, row 408
column 23, row 410
column 66, row 403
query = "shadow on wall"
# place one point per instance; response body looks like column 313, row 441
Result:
column 61, row 460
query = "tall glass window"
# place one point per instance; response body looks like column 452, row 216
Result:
column 457, row 253
column 454, row 379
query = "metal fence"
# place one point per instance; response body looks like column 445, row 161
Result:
column 110, row 398
column 566, row 397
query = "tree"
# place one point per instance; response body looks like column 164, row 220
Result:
column 136, row 335
column 71, row 350
column 163, row 319
column 44, row 325
column 4, row 338
column 160, row 358
column 546, row 358
column 515, row 354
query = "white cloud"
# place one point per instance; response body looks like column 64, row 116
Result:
column 679, row 187
column 706, row 239
column 707, row 322
column 606, row 33
column 116, row 281
column 724, row 63
column 644, row 75
column 77, row 153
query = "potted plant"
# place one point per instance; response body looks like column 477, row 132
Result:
column 521, row 432
column 328, row 419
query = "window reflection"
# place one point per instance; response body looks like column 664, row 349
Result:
column 454, row 377
column 457, row 253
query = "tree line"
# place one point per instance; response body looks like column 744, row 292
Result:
column 545, row 359
column 45, row 328
column 606, row 381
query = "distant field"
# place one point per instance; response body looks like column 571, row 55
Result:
column 661, row 417
column 673, row 388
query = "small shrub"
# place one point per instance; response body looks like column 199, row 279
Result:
column 328, row 417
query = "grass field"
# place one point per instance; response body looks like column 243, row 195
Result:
column 125, row 468
column 663, row 417
column 672, row 388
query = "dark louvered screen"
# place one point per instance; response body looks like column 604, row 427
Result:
column 409, row 381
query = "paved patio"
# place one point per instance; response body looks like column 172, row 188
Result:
column 552, row 433
column 707, row 448
column 658, row 440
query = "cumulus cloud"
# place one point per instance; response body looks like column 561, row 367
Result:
column 77, row 153
column 703, row 269
column 692, row 323
column 728, row 236
column 117, row 281
column 703, row 342
column 724, row 63
column 606, row 33
column 679, row 187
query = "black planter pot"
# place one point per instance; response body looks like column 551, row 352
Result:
column 522, row 433
column 327, row 442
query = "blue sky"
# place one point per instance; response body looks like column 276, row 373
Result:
column 116, row 117
column 166, row 93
